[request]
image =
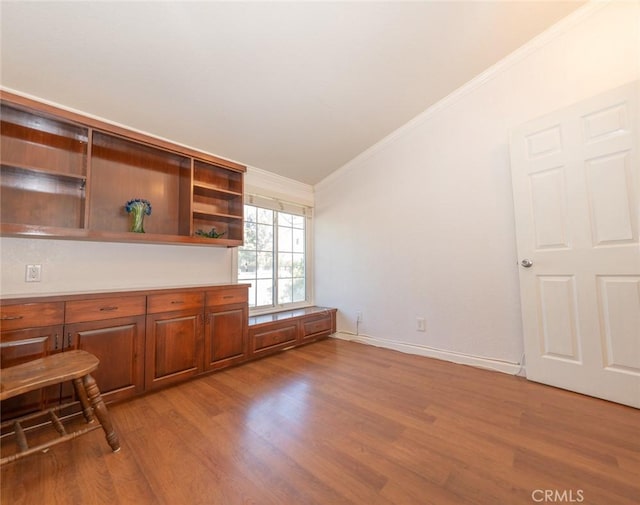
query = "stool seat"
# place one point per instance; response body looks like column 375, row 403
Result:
column 47, row 371
column 75, row 366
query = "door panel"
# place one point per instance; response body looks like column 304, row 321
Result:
column 576, row 181
column 619, row 309
column 609, row 196
column 558, row 317
column 225, row 338
column 20, row 346
column 548, row 203
column 173, row 347
column 119, row 345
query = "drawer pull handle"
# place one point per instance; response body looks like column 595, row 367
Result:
column 177, row 302
column 108, row 309
column 226, row 297
column 11, row 318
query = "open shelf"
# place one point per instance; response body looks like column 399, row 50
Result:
column 8, row 166
column 42, row 142
column 122, row 170
column 231, row 226
column 43, row 169
column 203, row 189
column 213, row 210
column 216, row 177
column 28, row 198
column 218, row 201
column 211, row 216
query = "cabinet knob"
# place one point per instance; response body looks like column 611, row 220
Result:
column 527, row 263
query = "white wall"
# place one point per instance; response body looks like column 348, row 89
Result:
column 421, row 225
column 71, row 266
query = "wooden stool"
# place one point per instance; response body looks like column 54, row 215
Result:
column 75, row 366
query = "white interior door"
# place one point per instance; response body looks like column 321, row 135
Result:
column 576, row 185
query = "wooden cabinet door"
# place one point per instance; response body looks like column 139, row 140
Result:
column 225, row 338
column 20, row 346
column 173, row 347
column 119, row 345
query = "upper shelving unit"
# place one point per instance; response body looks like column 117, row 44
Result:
column 64, row 175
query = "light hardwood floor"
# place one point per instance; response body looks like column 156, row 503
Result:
column 338, row 422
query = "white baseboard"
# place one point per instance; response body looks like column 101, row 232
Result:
column 430, row 352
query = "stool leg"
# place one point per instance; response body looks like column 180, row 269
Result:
column 84, row 401
column 100, row 410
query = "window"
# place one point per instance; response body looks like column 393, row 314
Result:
column 274, row 255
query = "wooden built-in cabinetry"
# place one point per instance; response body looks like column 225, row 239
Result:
column 143, row 339
column 64, row 175
column 147, row 339
column 271, row 333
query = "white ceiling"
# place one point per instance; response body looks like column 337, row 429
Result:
column 295, row 88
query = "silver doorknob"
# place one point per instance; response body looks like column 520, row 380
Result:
column 527, row 263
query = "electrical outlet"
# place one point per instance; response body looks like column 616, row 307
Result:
column 33, row 273
column 421, row 324
column 358, row 317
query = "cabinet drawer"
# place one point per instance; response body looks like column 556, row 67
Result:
column 268, row 338
column 316, row 326
column 226, row 296
column 174, row 301
column 30, row 315
column 104, row 308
